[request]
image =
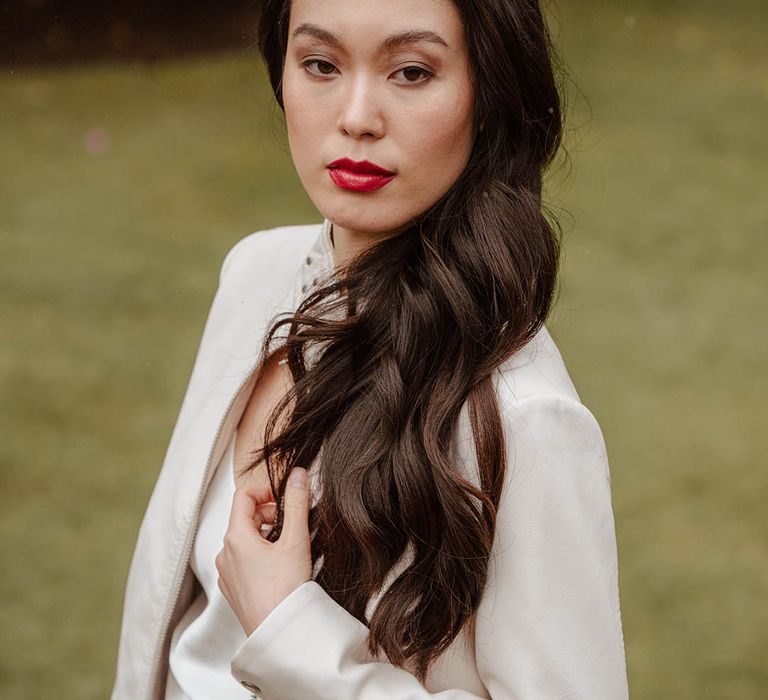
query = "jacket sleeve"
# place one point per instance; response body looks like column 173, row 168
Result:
column 548, row 626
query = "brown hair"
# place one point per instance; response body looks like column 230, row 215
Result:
column 426, row 317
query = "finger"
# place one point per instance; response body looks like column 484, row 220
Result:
column 247, row 511
column 260, row 491
column 296, row 509
column 267, row 513
column 243, row 509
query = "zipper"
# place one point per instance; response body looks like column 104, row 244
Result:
column 154, row 679
column 187, row 550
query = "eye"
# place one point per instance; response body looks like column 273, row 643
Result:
column 322, row 67
column 413, row 73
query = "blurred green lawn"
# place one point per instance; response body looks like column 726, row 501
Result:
column 123, row 187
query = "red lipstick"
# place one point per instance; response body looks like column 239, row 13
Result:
column 358, row 176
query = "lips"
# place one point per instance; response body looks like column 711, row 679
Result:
column 358, row 176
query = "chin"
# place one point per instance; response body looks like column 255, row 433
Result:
column 362, row 212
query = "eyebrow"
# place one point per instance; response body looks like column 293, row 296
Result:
column 392, row 42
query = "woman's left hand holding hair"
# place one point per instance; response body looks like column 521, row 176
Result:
column 256, row 575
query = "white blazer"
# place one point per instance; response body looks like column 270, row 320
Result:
column 549, row 624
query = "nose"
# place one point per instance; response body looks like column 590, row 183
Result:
column 360, row 113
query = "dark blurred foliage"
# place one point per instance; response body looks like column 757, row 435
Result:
column 55, row 31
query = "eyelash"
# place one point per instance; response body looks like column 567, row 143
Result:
column 316, row 61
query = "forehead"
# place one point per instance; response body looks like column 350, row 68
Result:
column 369, row 23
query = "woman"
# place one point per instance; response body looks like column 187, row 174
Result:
column 454, row 537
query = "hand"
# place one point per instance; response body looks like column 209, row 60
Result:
column 256, row 575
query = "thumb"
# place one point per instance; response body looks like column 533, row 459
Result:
column 296, row 519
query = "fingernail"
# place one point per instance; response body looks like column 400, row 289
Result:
column 298, row 477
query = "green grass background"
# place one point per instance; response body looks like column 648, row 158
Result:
column 108, row 264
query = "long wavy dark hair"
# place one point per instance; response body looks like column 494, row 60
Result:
column 409, row 332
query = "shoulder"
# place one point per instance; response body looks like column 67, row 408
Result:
column 541, row 409
column 274, row 250
column 552, row 591
column 257, row 274
column 536, row 370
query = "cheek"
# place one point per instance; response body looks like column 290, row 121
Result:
column 441, row 135
column 302, row 121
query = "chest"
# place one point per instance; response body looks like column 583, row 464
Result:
column 273, row 383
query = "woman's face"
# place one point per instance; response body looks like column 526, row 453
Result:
column 382, row 81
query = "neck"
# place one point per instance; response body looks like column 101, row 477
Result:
column 348, row 243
